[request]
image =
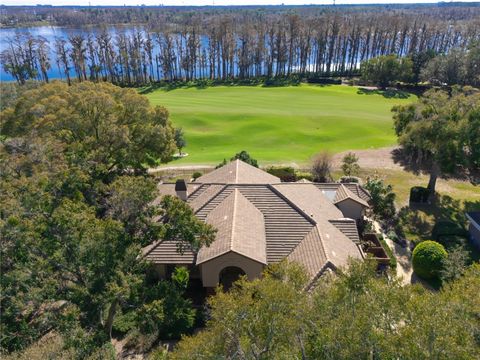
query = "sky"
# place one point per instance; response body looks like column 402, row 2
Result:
column 204, row 2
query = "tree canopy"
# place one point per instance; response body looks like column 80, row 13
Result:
column 386, row 69
column 441, row 132
column 355, row 315
column 103, row 128
column 76, row 209
column 457, row 67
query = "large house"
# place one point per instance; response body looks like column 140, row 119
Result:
column 260, row 221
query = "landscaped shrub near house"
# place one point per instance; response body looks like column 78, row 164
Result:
column 427, row 259
column 304, row 175
column 196, row 175
column 447, row 228
column 285, row 173
column 393, row 259
column 419, row 194
column 452, row 241
column 383, row 198
column 350, row 179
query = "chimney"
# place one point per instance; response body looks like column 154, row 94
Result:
column 181, row 189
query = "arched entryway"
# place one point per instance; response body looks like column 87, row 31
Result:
column 229, row 275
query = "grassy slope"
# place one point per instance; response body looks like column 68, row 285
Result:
column 277, row 124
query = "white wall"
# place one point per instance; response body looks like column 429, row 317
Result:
column 351, row 209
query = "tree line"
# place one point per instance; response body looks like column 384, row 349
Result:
column 242, row 45
column 355, row 315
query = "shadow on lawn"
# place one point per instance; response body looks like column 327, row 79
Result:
column 444, row 208
column 206, row 83
column 409, row 163
column 388, row 93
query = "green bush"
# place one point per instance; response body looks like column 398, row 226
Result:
column 285, row 173
column 196, row 175
column 447, row 228
column 427, row 259
column 419, row 194
column 304, row 175
column 452, row 241
column 123, row 323
column 350, row 179
column 393, row 259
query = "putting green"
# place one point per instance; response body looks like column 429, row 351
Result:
column 278, row 124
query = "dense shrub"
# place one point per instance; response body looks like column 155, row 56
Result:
column 285, row 173
column 323, row 80
column 322, row 166
column 427, row 259
column 196, row 175
column 419, row 194
column 393, row 259
column 350, row 179
column 447, row 228
column 452, row 241
column 383, row 198
column 304, row 175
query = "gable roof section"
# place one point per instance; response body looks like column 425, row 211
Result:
column 238, row 172
column 343, row 193
column 241, row 229
column 359, row 191
column 310, row 253
column 338, row 247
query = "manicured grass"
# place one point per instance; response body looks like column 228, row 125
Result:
column 402, row 181
column 278, row 124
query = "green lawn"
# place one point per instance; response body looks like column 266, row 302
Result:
column 278, row 124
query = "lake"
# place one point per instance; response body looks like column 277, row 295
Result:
column 51, row 33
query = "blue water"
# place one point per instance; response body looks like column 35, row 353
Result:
column 50, row 33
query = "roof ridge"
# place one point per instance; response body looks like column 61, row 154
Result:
column 236, row 171
column 234, row 212
column 321, row 242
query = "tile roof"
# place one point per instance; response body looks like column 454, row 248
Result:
column 348, row 227
column 344, row 193
column 238, row 172
column 310, row 253
column 166, row 252
column 240, row 229
column 263, row 219
column 310, row 200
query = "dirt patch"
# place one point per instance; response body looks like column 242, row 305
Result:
column 382, row 158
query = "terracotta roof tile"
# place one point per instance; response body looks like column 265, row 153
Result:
column 310, row 200
column 344, row 193
column 241, row 229
column 265, row 220
column 238, row 172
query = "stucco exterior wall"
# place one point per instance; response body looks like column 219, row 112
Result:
column 474, row 235
column 211, row 269
column 351, row 209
